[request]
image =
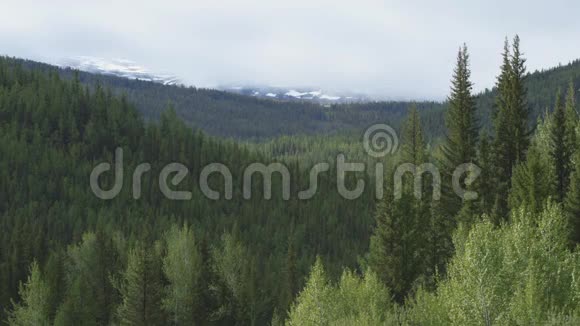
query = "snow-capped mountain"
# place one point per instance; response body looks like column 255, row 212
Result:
column 117, row 67
column 129, row 69
column 296, row 93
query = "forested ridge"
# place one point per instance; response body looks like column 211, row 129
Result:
column 230, row 115
column 507, row 256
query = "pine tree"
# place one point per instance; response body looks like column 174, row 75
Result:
column 518, row 96
column 462, row 129
column 142, row 289
column 561, row 152
column 34, row 307
column 182, row 268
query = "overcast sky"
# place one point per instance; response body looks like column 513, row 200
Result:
column 396, row 49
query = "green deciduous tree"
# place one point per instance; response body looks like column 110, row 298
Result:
column 34, row 307
column 354, row 301
column 572, row 203
column 182, row 268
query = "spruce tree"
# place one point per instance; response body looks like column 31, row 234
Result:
column 462, row 129
column 511, row 123
column 398, row 250
column 561, row 152
column 571, row 117
column 518, row 96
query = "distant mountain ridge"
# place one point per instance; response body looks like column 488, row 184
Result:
column 231, row 115
column 314, row 94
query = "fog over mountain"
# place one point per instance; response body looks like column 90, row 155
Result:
column 386, row 49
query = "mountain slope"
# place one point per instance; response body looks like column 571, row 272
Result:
column 230, row 115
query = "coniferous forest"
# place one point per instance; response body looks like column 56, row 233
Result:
column 395, row 255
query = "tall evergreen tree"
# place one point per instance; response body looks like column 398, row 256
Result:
column 398, row 250
column 462, row 129
column 561, row 152
column 571, row 116
column 511, row 123
column 518, row 96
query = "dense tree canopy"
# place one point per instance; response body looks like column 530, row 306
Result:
column 68, row 257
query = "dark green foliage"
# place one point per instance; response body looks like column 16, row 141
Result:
column 400, row 251
column 53, row 132
column 561, row 151
column 122, row 261
column 510, row 121
column 531, row 185
column 485, row 182
column 462, row 129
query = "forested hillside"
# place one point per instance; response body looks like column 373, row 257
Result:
column 251, row 256
column 224, row 114
column 495, row 244
column 230, row 115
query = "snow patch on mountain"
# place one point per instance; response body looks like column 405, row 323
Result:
column 117, row 67
column 297, row 94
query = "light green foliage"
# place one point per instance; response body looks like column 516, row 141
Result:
column 90, row 298
column 354, row 300
column 427, row 308
column 34, row 306
column 314, row 303
column 235, row 287
column 182, row 267
column 572, row 203
column 141, row 289
column 518, row 274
